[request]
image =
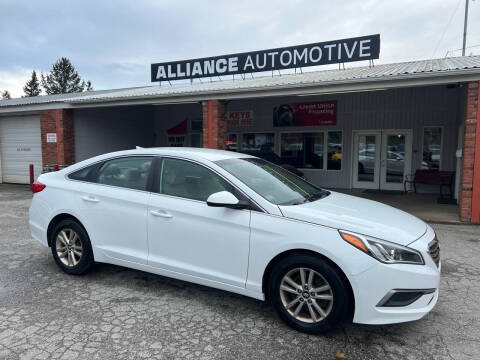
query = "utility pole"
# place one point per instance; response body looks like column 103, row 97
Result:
column 465, row 28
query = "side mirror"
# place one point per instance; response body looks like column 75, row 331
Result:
column 226, row 199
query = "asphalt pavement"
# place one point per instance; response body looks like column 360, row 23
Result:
column 118, row 313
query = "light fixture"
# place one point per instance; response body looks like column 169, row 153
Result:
column 340, row 92
column 176, row 103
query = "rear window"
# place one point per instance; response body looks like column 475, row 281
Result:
column 128, row 172
column 82, row 174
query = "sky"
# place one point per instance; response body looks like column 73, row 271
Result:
column 113, row 43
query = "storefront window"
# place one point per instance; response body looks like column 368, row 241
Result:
column 232, row 143
column 432, row 146
column 303, row 150
column 196, row 140
column 197, row 125
column 335, row 150
column 258, row 142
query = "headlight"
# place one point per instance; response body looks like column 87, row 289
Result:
column 382, row 250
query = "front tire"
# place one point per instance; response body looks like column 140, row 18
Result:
column 308, row 293
column 71, row 247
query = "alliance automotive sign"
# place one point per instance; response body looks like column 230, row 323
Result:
column 322, row 53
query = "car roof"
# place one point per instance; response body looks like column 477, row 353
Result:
column 207, row 154
column 199, row 154
column 186, row 152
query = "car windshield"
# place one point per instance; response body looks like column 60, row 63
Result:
column 273, row 182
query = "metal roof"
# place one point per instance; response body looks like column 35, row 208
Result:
column 441, row 69
column 45, row 99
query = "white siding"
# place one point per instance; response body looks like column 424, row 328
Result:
column 102, row 130
column 20, row 146
column 408, row 108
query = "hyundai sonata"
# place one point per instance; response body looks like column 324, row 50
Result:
column 239, row 223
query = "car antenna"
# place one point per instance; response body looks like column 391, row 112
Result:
column 138, row 147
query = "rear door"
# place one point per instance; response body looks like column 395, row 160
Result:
column 186, row 235
column 113, row 206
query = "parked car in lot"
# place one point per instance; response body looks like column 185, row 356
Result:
column 275, row 159
column 239, row 223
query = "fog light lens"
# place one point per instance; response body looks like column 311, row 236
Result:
column 397, row 298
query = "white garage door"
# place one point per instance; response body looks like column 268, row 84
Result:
column 20, row 145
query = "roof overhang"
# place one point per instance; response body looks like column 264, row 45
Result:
column 326, row 87
column 314, row 88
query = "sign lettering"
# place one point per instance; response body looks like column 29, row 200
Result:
column 330, row 52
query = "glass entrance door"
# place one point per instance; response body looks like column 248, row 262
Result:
column 396, row 160
column 382, row 158
column 366, row 164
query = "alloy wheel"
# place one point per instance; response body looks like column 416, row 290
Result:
column 306, row 295
column 69, row 247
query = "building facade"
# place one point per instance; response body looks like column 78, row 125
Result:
column 365, row 127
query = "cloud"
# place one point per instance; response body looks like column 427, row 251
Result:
column 14, row 80
column 113, row 43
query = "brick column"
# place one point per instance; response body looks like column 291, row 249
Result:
column 470, row 182
column 214, row 124
column 59, row 121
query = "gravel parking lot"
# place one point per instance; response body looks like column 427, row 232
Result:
column 117, row 313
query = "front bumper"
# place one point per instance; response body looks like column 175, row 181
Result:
column 371, row 287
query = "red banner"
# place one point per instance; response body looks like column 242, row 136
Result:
column 315, row 113
column 178, row 129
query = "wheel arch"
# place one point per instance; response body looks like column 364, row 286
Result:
column 293, row 252
column 56, row 219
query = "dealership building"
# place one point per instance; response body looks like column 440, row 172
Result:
column 366, row 127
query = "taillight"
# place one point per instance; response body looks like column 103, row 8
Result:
column 37, row 187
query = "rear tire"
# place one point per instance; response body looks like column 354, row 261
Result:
column 320, row 297
column 71, row 247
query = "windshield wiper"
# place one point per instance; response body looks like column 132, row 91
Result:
column 316, row 196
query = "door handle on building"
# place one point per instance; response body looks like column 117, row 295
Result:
column 90, row 199
column 160, row 213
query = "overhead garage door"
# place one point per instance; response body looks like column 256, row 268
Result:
column 20, row 145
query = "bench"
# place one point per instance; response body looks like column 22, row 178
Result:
column 431, row 177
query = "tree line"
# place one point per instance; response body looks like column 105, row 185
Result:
column 62, row 79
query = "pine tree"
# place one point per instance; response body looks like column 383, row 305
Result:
column 62, row 79
column 6, row 95
column 32, row 86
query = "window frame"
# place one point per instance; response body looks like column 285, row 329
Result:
column 239, row 136
column 155, row 183
column 325, row 146
column 441, row 144
column 92, row 176
column 242, row 134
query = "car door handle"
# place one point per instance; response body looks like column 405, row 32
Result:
column 90, row 199
column 160, row 213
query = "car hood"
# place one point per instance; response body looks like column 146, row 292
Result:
column 359, row 215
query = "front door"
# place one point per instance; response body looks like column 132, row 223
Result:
column 396, row 161
column 382, row 158
column 366, row 165
column 189, row 237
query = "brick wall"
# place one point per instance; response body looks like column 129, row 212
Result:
column 59, row 121
column 214, row 124
column 470, row 144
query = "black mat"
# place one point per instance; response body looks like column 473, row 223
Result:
column 382, row 192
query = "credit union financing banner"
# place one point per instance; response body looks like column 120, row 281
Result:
column 316, row 113
column 329, row 52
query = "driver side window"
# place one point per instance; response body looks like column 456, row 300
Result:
column 189, row 180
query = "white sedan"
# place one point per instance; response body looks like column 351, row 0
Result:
column 241, row 224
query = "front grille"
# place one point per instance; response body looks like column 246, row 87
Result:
column 434, row 251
